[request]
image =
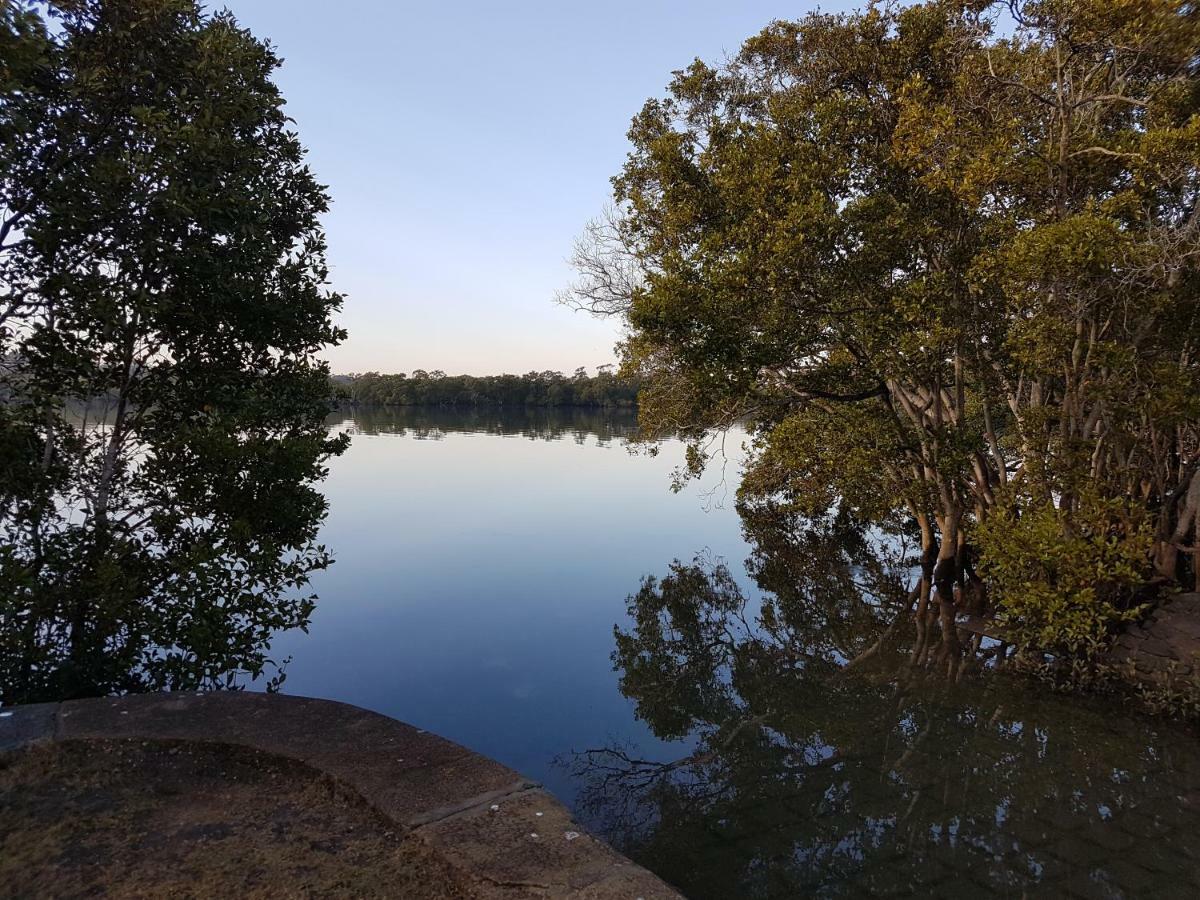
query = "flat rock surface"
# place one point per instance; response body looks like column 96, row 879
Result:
column 1166, row 643
column 528, row 840
column 189, row 819
column 239, row 794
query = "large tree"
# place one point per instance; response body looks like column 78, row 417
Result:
column 943, row 259
column 163, row 300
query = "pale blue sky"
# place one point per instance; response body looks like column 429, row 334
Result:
column 465, row 145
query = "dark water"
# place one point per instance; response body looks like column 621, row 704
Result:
column 718, row 737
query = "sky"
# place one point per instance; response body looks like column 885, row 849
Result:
column 465, row 145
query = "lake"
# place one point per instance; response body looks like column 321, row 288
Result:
column 484, row 559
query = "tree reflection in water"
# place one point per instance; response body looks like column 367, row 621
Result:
column 833, row 757
column 536, row 423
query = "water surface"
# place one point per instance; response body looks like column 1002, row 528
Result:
column 484, row 559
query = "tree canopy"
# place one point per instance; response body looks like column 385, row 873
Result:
column 421, row 388
column 162, row 302
column 942, row 258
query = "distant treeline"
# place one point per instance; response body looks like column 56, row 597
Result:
column 436, row 388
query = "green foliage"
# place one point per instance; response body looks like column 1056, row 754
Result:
column 1064, row 580
column 929, row 260
column 162, row 308
column 604, row 389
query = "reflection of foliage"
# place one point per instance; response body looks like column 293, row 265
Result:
column 805, row 779
column 433, row 423
column 694, row 650
column 835, row 587
column 688, row 627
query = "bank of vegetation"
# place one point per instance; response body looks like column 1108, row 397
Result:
column 543, row 389
column 944, row 259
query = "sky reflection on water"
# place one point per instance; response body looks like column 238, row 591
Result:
column 482, row 562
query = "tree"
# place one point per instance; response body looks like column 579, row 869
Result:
column 163, row 303
column 948, row 276
column 532, row 389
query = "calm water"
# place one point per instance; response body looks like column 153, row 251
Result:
column 483, row 562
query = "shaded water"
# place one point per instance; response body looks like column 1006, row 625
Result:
column 484, row 559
